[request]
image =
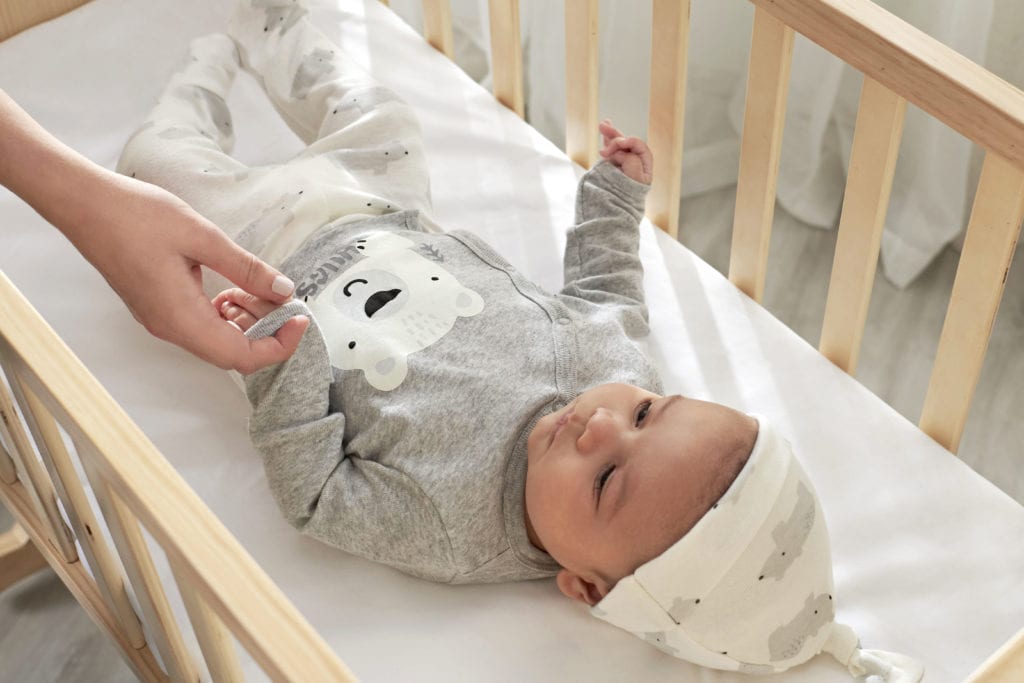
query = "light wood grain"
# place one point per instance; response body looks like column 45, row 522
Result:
column 581, row 81
column 980, row 279
column 437, row 26
column 214, row 640
column 79, row 512
column 771, row 56
column 78, row 580
column 670, row 33
column 226, row 577
column 963, row 95
column 16, row 16
column 506, row 54
column 8, row 473
column 131, row 547
column 1006, row 665
column 31, row 472
column 19, row 557
column 876, row 143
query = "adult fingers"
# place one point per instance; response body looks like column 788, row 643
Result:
column 228, row 348
column 219, row 253
column 272, row 350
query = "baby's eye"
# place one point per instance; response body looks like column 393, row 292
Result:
column 641, row 413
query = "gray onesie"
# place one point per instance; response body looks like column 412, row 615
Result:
column 397, row 431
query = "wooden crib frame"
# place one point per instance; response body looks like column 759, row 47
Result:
column 47, row 386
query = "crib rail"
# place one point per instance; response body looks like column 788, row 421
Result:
column 17, row 16
column 900, row 64
column 226, row 595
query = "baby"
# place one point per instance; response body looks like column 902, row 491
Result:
column 442, row 414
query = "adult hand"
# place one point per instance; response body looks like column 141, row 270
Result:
column 147, row 243
column 150, row 250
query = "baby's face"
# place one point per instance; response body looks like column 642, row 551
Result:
column 620, row 474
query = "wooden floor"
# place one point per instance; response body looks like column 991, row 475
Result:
column 45, row 636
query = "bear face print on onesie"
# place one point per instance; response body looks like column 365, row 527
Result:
column 390, row 303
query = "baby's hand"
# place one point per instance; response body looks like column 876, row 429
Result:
column 630, row 155
column 241, row 309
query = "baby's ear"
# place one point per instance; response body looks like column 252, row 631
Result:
column 576, row 587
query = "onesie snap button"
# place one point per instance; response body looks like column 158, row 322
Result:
column 563, row 321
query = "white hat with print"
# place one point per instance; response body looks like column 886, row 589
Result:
column 749, row 588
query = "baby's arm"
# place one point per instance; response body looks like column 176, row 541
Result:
column 601, row 261
column 351, row 502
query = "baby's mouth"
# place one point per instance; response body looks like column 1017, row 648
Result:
column 379, row 300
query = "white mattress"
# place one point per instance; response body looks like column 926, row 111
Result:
column 929, row 558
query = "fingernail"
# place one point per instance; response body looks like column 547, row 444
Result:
column 282, row 286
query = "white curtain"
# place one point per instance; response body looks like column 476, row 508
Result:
column 937, row 168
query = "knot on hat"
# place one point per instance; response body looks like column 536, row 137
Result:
column 875, row 666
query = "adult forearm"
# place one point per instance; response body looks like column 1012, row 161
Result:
column 148, row 244
column 59, row 183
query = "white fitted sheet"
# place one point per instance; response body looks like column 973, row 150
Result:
column 929, row 557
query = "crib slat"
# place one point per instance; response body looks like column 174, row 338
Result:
column 581, row 80
column 771, row 55
column 962, row 94
column 1006, row 665
column 670, row 35
column 264, row 622
column 8, row 473
column 81, row 585
column 977, row 289
column 108, row 577
column 506, row 54
column 38, row 485
column 876, row 142
column 131, row 546
column 437, row 26
column 214, row 639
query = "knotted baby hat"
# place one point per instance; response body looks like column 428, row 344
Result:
column 749, row 588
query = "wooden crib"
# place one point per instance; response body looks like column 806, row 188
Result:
column 219, row 582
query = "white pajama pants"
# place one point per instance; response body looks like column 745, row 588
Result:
column 364, row 153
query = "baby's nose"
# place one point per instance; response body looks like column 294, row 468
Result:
column 600, row 434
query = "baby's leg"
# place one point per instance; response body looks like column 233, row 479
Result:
column 365, row 132
column 183, row 145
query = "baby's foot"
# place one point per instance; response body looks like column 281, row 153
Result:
column 213, row 63
column 256, row 25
